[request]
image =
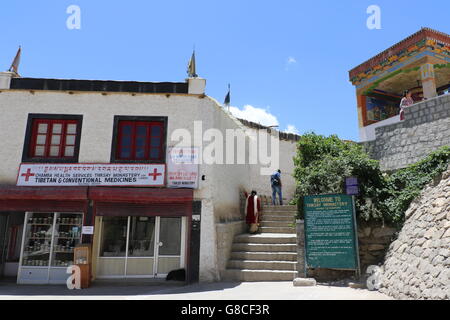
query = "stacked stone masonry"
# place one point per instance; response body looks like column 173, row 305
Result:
column 426, row 128
column 417, row 265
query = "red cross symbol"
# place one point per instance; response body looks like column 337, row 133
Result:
column 155, row 174
column 27, row 175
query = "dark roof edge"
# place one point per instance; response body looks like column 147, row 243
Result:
column 282, row 135
column 98, row 85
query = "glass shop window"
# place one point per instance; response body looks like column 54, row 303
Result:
column 170, row 236
column 142, row 237
column 114, row 237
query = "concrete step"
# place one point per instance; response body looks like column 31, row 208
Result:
column 266, row 256
column 258, row 275
column 267, row 238
column 280, row 208
column 290, row 218
column 262, row 265
column 262, row 247
column 279, row 213
column 278, row 230
column 266, row 223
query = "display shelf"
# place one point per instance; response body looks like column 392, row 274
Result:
column 68, row 238
column 55, row 255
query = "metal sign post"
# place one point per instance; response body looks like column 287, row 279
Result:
column 358, row 263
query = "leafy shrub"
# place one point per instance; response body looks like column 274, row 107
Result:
column 406, row 184
column 323, row 163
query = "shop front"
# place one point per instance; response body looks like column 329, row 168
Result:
column 134, row 232
column 41, row 228
column 140, row 233
column 140, row 247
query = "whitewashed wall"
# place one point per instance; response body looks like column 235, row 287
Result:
column 220, row 190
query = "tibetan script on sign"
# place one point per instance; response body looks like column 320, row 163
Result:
column 149, row 175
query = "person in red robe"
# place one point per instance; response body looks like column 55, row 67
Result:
column 253, row 209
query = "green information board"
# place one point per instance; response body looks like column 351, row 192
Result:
column 330, row 232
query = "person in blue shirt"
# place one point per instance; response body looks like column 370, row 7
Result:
column 275, row 181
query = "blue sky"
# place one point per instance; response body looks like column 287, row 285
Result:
column 287, row 61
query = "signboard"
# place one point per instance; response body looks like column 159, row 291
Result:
column 351, row 186
column 182, row 167
column 87, row 230
column 149, row 175
column 330, row 232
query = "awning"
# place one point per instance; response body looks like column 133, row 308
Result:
column 43, row 199
column 107, row 201
column 141, row 202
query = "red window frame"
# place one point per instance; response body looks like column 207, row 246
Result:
column 48, row 139
column 133, row 136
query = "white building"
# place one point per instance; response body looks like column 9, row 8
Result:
column 101, row 126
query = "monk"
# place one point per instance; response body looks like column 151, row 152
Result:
column 252, row 209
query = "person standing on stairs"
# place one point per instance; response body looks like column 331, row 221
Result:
column 275, row 181
column 252, row 210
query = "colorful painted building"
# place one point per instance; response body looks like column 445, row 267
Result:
column 419, row 63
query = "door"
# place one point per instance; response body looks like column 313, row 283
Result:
column 141, row 247
column 3, row 242
column 170, row 245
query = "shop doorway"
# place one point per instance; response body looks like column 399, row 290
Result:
column 11, row 226
column 3, row 242
column 141, row 247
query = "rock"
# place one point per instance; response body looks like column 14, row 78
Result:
column 420, row 241
column 383, row 232
column 426, row 253
column 376, row 247
column 304, row 282
column 355, row 285
column 441, row 202
column 446, row 234
column 435, row 272
column 444, row 252
column 429, row 233
column 367, row 231
column 437, row 260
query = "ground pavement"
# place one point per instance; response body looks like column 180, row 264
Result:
column 200, row 291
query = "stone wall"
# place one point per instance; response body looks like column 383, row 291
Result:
column 417, row 265
column 426, row 128
column 374, row 239
column 225, row 236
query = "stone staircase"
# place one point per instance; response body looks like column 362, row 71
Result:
column 270, row 255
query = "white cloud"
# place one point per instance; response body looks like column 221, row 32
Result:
column 291, row 61
column 291, row 129
column 257, row 115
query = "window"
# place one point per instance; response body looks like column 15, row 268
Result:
column 142, row 237
column 114, row 237
column 139, row 140
column 52, row 138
